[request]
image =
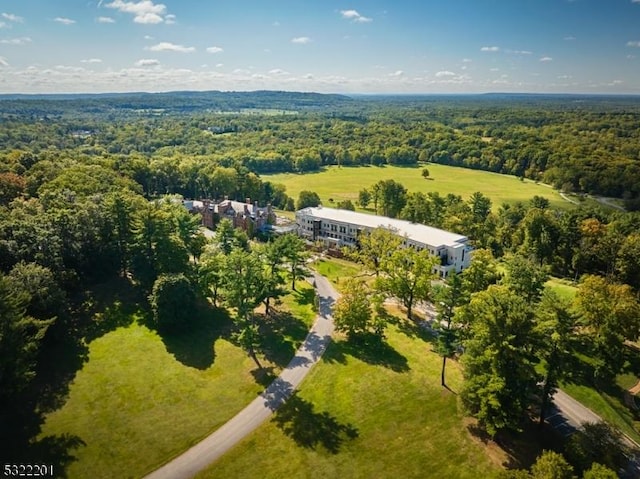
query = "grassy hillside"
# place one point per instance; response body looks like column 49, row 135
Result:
column 345, row 183
column 365, row 412
column 142, row 398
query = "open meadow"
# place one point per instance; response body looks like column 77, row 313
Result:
column 372, row 410
column 342, row 183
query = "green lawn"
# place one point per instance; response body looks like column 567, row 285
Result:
column 562, row 287
column 141, row 399
column 337, row 270
column 366, row 414
column 345, row 183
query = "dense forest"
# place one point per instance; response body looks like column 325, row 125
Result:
column 579, row 144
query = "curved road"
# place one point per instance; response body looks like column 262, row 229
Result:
column 233, row 431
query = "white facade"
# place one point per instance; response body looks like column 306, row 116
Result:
column 342, row 227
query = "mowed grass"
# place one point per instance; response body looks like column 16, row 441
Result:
column 135, row 406
column 337, row 270
column 141, row 399
column 366, row 414
column 345, row 183
column 564, row 288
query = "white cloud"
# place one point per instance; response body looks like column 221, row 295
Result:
column 354, row 16
column 635, row 1
column 64, row 21
column 16, row 41
column 3, row 24
column 308, row 76
column 301, row 40
column 148, row 37
column 215, row 49
column 565, row 77
column 494, row 69
column 569, row 38
column 635, row 44
column 105, row 20
column 278, row 71
column 466, row 60
column 12, row 18
column 145, row 11
column 219, row 65
column 445, row 73
column 147, row 62
column 546, row 59
column 397, row 73
column 490, row 49
column 170, row 47
column 521, row 52
column 91, row 60
column 3, row 62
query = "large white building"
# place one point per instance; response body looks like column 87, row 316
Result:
column 341, row 228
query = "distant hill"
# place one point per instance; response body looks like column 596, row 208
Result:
column 167, row 103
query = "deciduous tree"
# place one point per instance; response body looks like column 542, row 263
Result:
column 499, row 372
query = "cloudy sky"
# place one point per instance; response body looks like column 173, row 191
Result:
column 375, row 46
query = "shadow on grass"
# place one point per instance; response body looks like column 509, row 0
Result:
column 108, row 306
column 521, row 448
column 280, row 336
column 305, row 297
column 310, row 429
column 193, row 346
column 413, row 329
column 371, row 349
column 55, row 451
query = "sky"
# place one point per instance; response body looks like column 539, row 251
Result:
column 373, row 46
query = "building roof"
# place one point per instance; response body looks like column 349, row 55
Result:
column 417, row 232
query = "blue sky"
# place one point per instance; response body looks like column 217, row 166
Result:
column 376, row 46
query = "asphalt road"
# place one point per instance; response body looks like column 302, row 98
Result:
column 212, row 447
column 567, row 414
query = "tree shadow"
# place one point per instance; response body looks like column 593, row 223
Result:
column 277, row 393
column 370, row 348
column 305, row 297
column 54, row 451
column 194, row 346
column 265, row 376
column 521, row 448
column 107, row 306
column 280, row 336
column 415, row 330
column 310, row 429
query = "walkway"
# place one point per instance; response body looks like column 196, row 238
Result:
column 233, row 431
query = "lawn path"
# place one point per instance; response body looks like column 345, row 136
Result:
column 237, row 428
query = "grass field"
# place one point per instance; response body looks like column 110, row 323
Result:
column 367, row 414
column 337, row 270
column 345, row 183
column 141, row 399
column 562, row 287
